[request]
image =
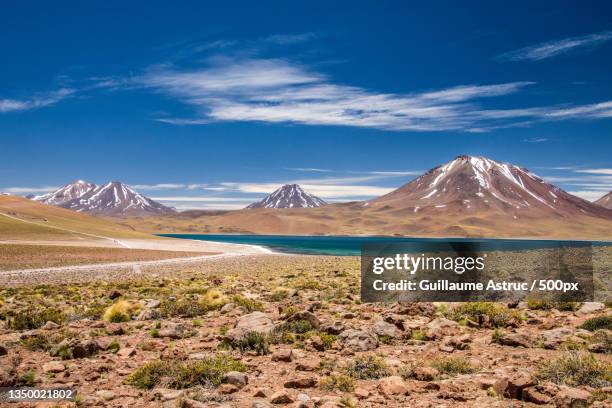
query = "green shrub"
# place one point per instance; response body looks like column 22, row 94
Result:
column 178, row 374
column 418, row 335
column 34, row 318
column 576, row 368
column 368, row 367
column 340, row 382
column 453, row 366
column 535, row 304
column 497, row 314
column 251, row 341
column 181, row 308
column 249, row 305
column 597, row 323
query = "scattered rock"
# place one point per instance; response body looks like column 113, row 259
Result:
column 282, row 354
column 303, row 382
column 393, row 385
column 106, row 395
column 228, row 307
column 8, row 377
column 382, row 328
column 3, row 350
column 590, row 307
column 415, row 308
column 260, row 403
column 50, row 326
column 281, row 397
column 237, row 378
column 227, row 388
column 126, row 352
column 53, row 367
column 572, row 398
column 307, row 316
column 513, row 386
column 257, row 322
column 113, row 294
column 553, row 338
column 309, row 364
column 358, row 340
column 423, row 373
column 149, row 314
column 115, row 329
column 536, row 395
column 316, row 343
column 335, row 327
column 517, row 339
column 173, row 331
column 361, row 393
column 441, row 327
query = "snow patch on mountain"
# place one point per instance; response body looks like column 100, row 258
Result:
column 289, row 196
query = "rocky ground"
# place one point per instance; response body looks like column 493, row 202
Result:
column 268, row 330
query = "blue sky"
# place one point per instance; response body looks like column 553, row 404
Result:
column 206, row 105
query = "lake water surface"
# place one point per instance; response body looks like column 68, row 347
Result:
column 351, row 245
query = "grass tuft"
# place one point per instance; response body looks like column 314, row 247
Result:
column 576, row 368
column 453, row 366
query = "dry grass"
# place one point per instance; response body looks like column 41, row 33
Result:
column 16, row 256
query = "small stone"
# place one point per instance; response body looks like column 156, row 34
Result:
column 361, row 393
column 237, row 378
column 425, row 373
column 149, row 314
column 53, row 367
column 305, row 316
column 228, row 307
column 303, row 382
column 260, row 403
column 553, row 338
column 126, row 352
column 282, row 354
column 393, row 385
column 3, row 350
column 317, row 343
column 106, row 395
column 532, row 394
column 383, row 328
column 189, row 403
column 590, row 307
column 173, row 331
column 260, row 393
column 336, row 327
column 358, row 340
column 281, row 397
column 310, row 364
column 152, row 303
column 227, row 388
column 115, row 329
column 572, row 398
column 50, row 326
column 113, row 294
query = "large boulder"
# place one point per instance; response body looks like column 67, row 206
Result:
column 358, row 340
column 257, row 322
column 553, row 338
column 383, row 328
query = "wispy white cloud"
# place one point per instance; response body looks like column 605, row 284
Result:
column 589, row 195
column 26, row 190
column 536, row 140
column 309, row 169
column 286, row 39
column 35, row 101
column 553, row 48
column 160, row 186
column 207, row 199
column 595, row 171
column 280, row 91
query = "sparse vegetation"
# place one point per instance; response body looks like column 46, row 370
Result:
column 368, row 367
column 184, row 374
column 598, row 323
column 576, row 368
column 485, row 314
column 120, row 311
column 34, row 318
column 453, row 366
column 251, row 341
column 250, row 305
column 337, row 382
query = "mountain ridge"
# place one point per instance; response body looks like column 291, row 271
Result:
column 289, row 196
column 113, row 198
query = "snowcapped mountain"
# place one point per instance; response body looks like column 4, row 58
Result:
column 66, row 193
column 113, row 198
column 289, row 196
column 477, row 185
column 605, row 201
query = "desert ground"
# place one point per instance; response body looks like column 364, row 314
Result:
column 277, row 330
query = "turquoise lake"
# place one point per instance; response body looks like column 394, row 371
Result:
column 351, row 245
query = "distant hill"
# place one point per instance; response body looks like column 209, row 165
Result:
column 113, row 198
column 605, row 201
column 289, row 196
column 23, row 219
